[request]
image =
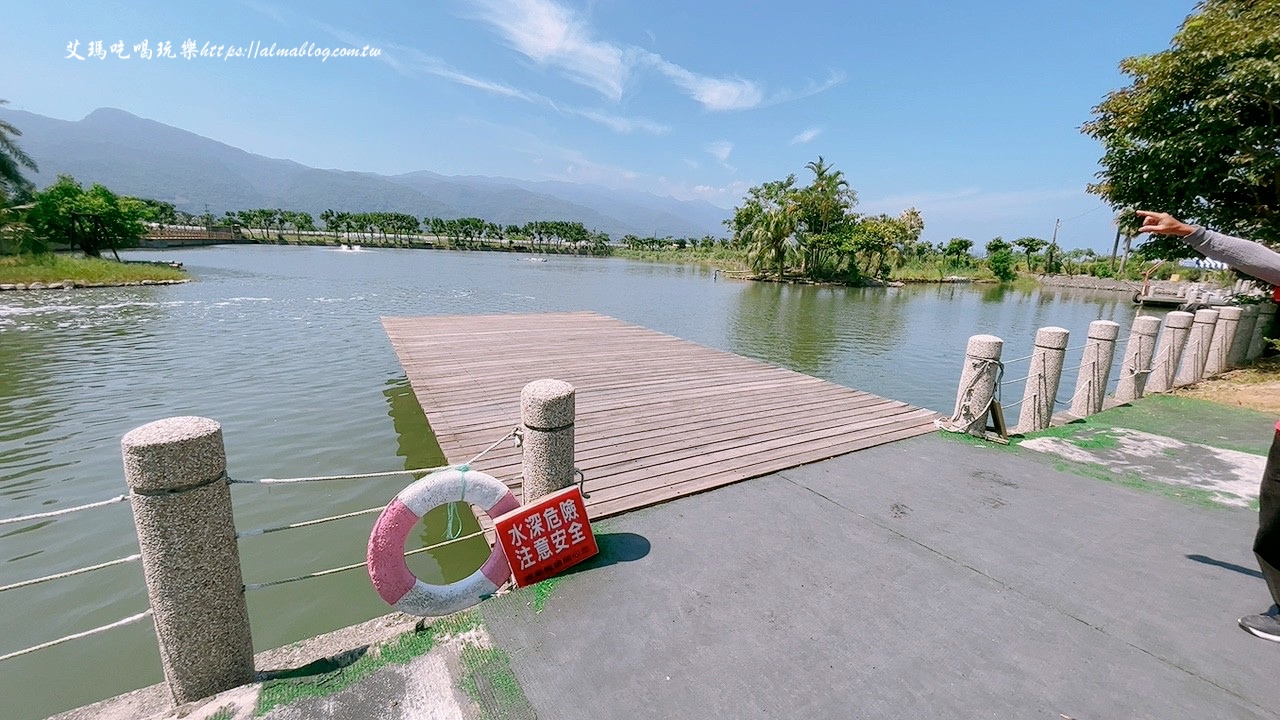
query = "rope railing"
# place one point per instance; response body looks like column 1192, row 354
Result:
column 70, row 573
column 513, row 433
column 64, row 511
column 306, row 523
column 1018, row 359
column 76, row 636
column 331, row 571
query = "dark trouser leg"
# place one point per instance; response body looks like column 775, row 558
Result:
column 1267, row 543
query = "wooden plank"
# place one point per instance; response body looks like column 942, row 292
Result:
column 658, row 417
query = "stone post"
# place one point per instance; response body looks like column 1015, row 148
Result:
column 1244, row 334
column 1197, row 353
column 547, row 409
column 1042, row 380
column 1224, row 334
column 1173, row 340
column 1095, row 368
column 1261, row 329
column 1137, row 358
column 977, row 384
column 176, row 470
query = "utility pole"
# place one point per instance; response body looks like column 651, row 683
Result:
column 1115, row 247
column 1053, row 247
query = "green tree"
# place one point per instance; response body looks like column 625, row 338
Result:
column 92, row 220
column 824, row 210
column 957, row 250
column 1197, row 133
column 1029, row 247
column 765, row 222
column 1001, row 264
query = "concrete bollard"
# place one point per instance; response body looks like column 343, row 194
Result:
column 1244, row 334
column 547, row 409
column 1177, row 325
column 1224, row 334
column 1137, row 358
column 1261, row 331
column 1196, row 355
column 176, row 470
column 977, row 384
column 1095, row 368
column 1042, row 381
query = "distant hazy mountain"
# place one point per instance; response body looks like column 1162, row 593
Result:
column 148, row 159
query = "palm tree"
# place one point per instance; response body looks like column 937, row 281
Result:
column 12, row 160
column 768, row 237
column 825, row 206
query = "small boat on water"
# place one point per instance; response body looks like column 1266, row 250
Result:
column 533, row 259
column 344, row 247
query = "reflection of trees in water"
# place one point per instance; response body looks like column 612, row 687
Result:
column 420, row 448
column 806, row 327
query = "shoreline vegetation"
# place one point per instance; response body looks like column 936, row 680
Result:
column 51, row 270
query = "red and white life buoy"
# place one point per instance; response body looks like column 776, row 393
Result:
column 391, row 576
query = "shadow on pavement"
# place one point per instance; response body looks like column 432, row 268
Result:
column 614, row 548
column 1229, row 566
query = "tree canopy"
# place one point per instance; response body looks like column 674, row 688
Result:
column 92, row 220
column 1197, row 132
column 814, row 229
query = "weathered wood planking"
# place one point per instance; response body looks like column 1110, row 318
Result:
column 657, row 417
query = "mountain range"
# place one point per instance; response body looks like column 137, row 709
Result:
column 148, row 159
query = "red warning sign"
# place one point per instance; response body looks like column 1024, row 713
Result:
column 546, row 537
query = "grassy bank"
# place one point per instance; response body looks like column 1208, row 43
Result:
column 720, row 257
column 51, row 268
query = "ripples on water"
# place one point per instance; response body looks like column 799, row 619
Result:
column 284, row 347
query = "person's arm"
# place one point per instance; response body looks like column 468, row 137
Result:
column 1248, row 257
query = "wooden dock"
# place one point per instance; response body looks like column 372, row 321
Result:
column 657, row 417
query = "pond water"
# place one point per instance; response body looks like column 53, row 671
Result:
column 283, row 346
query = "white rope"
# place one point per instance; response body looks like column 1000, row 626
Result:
column 69, row 573
column 949, row 424
column 515, row 432
column 55, row 513
column 119, row 623
column 353, row 566
column 323, row 478
column 305, row 523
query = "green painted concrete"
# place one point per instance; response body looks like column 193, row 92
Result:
column 330, row 675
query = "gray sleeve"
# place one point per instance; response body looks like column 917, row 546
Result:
column 1248, row 257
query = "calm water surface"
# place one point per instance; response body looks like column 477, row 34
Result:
column 284, row 347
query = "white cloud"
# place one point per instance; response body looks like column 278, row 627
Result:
column 553, row 35
column 720, row 150
column 550, row 34
column 410, row 61
column 806, row 136
column 717, row 94
column 812, row 88
column 619, row 124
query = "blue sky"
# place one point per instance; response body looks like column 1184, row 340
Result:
column 968, row 111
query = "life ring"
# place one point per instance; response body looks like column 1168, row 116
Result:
column 391, row 576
